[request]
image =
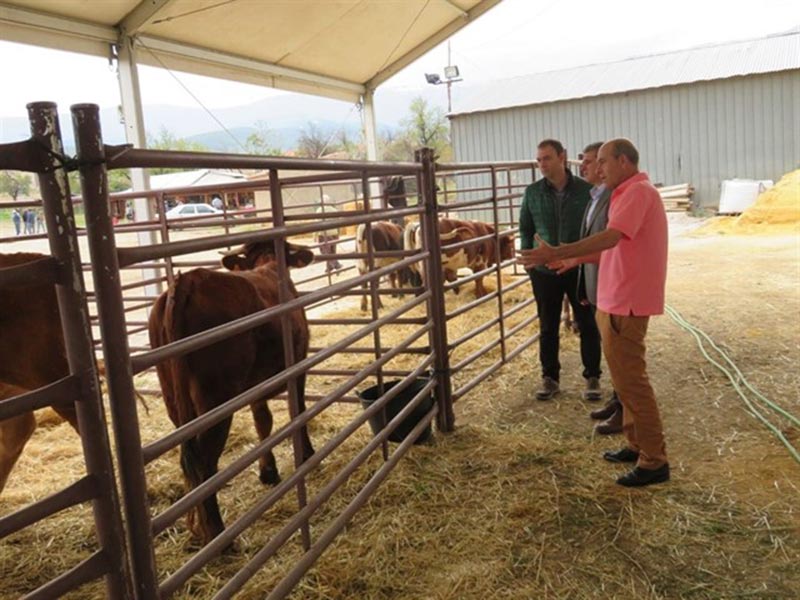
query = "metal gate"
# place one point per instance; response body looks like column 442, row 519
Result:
column 423, row 345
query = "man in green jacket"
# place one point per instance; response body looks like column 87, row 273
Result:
column 553, row 208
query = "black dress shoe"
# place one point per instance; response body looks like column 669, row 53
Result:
column 640, row 477
column 621, row 456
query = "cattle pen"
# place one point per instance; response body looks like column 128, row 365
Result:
column 413, row 342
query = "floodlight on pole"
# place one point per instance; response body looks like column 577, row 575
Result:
column 433, row 78
column 451, row 74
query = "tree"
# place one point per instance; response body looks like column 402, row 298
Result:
column 355, row 149
column 118, row 180
column 15, row 184
column 262, row 141
column 314, row 142
column 166, row 140
column 425, row 126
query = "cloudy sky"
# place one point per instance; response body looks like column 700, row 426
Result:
column 515, row 38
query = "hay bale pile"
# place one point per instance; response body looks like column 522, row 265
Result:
column 777, row 210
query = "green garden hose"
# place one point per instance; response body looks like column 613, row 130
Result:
column 739, row 383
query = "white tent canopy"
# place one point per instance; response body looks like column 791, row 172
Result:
column 337, row 48
column 341, row 49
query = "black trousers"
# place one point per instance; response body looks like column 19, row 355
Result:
column 549, row 291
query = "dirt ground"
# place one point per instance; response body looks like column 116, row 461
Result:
column 517, row 503
column 543, row 517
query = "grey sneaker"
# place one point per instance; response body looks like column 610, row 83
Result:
column 547, row 389
column 592, row 391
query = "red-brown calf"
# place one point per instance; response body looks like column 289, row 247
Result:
column 204, row 379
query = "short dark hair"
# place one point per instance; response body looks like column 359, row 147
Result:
column 554, row 144
column 624, row 147
column 594, row 147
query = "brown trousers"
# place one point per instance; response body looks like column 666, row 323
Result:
column 624, row 349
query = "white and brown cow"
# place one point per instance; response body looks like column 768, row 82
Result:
column 476, row 257
column 386, row 237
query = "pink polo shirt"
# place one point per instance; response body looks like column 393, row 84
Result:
column 633, row 274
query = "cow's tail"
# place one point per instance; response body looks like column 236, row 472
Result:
column 412, row 240
column 361, row 247
column 411, row 236
column 176, row 329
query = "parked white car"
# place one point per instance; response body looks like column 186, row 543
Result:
column 183, row 211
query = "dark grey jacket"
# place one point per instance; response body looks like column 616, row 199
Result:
column 587, row 274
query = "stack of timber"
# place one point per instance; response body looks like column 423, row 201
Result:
column 677, row 198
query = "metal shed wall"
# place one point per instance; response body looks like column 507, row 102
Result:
column 701, row 133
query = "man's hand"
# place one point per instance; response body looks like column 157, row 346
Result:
column 563, row 265
column 541, row 255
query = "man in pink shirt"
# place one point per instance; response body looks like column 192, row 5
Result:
column 632, row 253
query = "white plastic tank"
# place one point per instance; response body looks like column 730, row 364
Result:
column 739, row 194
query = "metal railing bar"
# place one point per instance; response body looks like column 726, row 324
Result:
column 365, row 320
column 214, row 416
column 470, row 305
column 93, row 567
column 127, row 157
column 308, row 559
column 132, row 254
column 81, row 491
column 471, row 334
column 140, row 362
column 467, row 167
column 65, row 390
column 372, row 350
column 219, row 543
column 478, row 379
column 221, row 478
column 470, row 358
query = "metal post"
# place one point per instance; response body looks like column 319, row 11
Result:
column 77, row 330
column 445, row 419
column 110, row 308
column 284, row 295
column 370, row 129
column 374, row 299
column 498, row 260
column 133, row 117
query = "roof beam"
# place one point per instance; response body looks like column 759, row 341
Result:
column 213, row 63
column 42, row 29
column 144, row 14
column 437, row 38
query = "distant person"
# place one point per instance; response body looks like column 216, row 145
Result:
column 16, row 218
column 632, row 252
column 217, row 203
column 28, row 221
column 553, row 209
column 40, row 221
column 328, row 238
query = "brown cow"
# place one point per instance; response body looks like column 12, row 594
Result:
column 204, row 379
column 32, row 355
column 477, row 256
column 386, row 236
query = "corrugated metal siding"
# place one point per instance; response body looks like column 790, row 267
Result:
column 701, row 133
column 770, row 54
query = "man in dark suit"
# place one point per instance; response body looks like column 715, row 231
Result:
column 595, row 219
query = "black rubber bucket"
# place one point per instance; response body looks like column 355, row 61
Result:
column 395, row 405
